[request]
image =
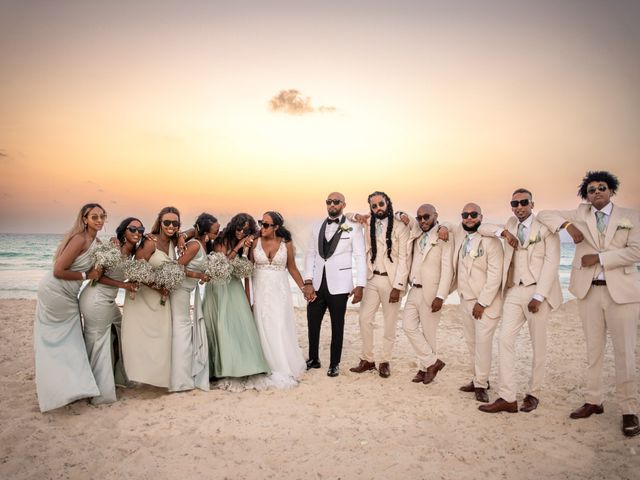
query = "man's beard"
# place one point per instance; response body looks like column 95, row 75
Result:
column 334, row 213
column 474, row 228
column 380, row 214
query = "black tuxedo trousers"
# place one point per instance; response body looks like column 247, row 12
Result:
column 337, row 305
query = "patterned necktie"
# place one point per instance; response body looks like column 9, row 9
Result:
column 465, row 244
column 521, row 233
column 600, row 221
column 379, row 227
column 423, row 241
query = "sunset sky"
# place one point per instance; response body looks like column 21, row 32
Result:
column 143, row 104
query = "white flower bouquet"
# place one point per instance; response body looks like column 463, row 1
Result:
column 169, row 275
column 138, row 271
column 105, row 256
column 218, row 267
column 242, row 267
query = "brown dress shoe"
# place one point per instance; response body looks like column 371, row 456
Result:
column 500, row 405
column 419, row 376
column 587, row 410
column 470, row 387
column 432, row 371
column 481, row 395
column 363, row 366
column 529, row 403
column 630, row 425
column 383, row 369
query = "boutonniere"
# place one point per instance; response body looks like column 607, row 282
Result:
column 476, row 253
column 345, row 228
column 534, row 238
column 625, row 224
column 434, row 243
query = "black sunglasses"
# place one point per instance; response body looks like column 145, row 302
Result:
column 168, row 223
column 466, row 215
column 332, row 201
column 601, row 188
column 266, row 225
column 424, row 217
column 524, row 202
column 379, row 205
column 139, row 230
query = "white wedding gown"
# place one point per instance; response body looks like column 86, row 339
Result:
column 275, row 318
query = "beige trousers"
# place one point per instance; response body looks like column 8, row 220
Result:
column 600, row 313
column 376, row 293
column 479, row 337
column 420, row 324
column 514, row 315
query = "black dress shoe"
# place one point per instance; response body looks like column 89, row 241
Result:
column 333, row 371
column 313, row 363
column 482, row 396
column 630, row 425
column 383, row 370
column 470, row 387
column 529, row 403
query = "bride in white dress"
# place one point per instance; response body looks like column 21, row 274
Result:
column 274, row 259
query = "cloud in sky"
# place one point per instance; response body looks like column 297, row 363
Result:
column 292, row 102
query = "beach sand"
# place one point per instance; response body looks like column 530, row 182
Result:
column 352, row 426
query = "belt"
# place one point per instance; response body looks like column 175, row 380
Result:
column 416, row 285
column 599, row 283
column 382, row 274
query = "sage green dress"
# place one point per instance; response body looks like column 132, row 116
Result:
column 63, row 373
column 102, row 322
column 234, row 344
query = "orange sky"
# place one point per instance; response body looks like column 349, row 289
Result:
column 157, row 103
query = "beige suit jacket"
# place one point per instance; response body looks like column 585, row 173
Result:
column 436, row 268
column 482, row 267
column 619, row 254
column 543, row 254
column 397, row 270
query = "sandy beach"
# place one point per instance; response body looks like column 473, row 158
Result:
column 352, row 426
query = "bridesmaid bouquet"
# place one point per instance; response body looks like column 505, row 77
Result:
column 105, row 256
column 218, row 267
column 242, row 267
column 137, row 271
column 169, row 275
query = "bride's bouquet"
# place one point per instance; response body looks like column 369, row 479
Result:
column 218, row 267
column 105, row 257
column 169, row 275
column 242, row 267
column 138, row 271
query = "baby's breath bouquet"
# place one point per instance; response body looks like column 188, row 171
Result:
column 105, row 256
column 137, row 271
column 242, row 267
column 218, row 267
column 169, row 275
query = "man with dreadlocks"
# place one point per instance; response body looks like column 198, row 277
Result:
column 605, row 280
column 386, row 252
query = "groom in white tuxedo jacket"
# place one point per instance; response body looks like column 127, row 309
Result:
column 333, row 246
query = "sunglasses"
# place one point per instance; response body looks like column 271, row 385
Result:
column 171, row 223
column 600, row 188
column 515, row 203
column 379, row 205
column 332, row 201
column 466, row 215
column 139, row 230
column 95, row 217
column 266, row 225
column 424, row 217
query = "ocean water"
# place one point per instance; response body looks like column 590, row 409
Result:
column 24, row 259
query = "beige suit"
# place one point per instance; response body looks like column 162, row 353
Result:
column 530, row 270
column 614, row 306
column 378, row 289
column 478, row 277
column 432, row 269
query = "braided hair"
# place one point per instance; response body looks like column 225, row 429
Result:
column 372, row 226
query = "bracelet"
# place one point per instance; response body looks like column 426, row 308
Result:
column 84, row 275
column 308, row 282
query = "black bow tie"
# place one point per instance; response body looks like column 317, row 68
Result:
column 330, row 221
